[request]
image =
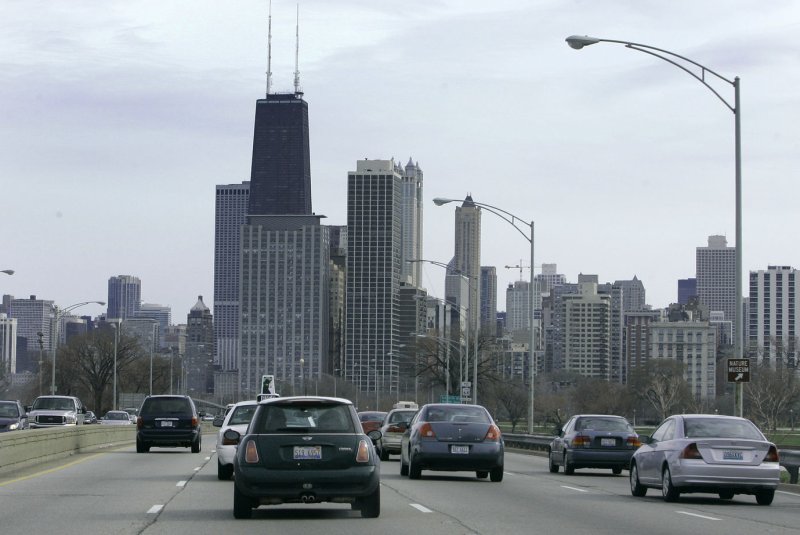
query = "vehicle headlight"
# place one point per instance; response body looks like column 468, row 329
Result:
column 12, row 427
column 70, row 419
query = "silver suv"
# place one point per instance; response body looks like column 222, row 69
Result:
column 54, row 411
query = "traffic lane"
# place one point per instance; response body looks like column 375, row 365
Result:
column 112, row 491
column 740, row 515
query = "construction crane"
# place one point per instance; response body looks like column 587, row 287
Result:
column 520, row 267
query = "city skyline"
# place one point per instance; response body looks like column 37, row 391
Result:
column 624, row 163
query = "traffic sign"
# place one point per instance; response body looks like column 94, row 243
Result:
column 466, row 390
column 449, row 399
column 738, row 370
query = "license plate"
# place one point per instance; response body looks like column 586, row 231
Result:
column 608, row 442
column 459, row 449
column 303, row 453
column 729, row 455
column 167, row 423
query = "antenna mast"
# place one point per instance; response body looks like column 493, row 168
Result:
column 297, row 89
column 269, row 50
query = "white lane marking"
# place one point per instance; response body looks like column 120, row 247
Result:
column 789, row 493
column 696, row 515
column 420, row 507
column 574, row 488
column 197, row 469
column 155, row 509
column 181, row 484
column 509, row 473
column 208, row 458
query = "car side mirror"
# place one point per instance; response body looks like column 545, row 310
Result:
column 218, row 421
column 645, row 439
column 28, row 408
column 374, row 435
column 231, row 437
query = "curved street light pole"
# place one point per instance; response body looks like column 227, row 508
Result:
column 514, row 221
column 8, row 271
column 57, row 318
column 578, row 42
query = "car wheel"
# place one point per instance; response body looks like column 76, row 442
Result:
column 668, row 490
column 370, row 506
column 482, row 474
column 616, row 471
column 224, row 471
column 726, row 495
column 384, row 455
column 403, row 467
column 141, row 447
column 569, row 468
column 553, row 465
column 242, row 507
column 765, row 497
column 496, row 474
column 414, row 470
column 637, row 489
column 196, row 445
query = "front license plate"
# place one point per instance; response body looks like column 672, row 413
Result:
column 459, row 449
column 730, row 455
column 304, row 453
column 608, row 442
column 167, row 423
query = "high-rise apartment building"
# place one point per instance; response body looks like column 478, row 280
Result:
column 34, row 316
column 518, row 310
column 373, row 274
column 467, row 257
column 716, row 277
column 587, row 321
column 488, row 300
column 232, row 201
column 773, row 321
column 8, row 345
column 411, row 226
column 692, row 343
column 124, row 297
column 633, row 294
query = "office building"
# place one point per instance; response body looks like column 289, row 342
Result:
column 124, row 297
column 633, row 294
column 467, row 257
column 687, row 288
column 8, row 345
column 199, row 358
column 488, row 300
column 160, row 314
column 518, row 312
column 411, row 224
column 772, row 318
column 716, row 277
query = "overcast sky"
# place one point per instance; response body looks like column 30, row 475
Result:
column 118, row 118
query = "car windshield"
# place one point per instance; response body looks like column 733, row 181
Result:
column 8, row 410
column 117, row 416
column 53, row 404
column 242, row 415
column 458, row 414
column 401, row 416
column 166, row 406
column 371, row 416
column 294, row 418
column 721, row 428
column 602, row 424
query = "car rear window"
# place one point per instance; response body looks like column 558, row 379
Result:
column 306, row 417
column 602, row 424
column 401, row 416
column 720, row 428
column 166, row 406
column 458, row 414
column 242, row 414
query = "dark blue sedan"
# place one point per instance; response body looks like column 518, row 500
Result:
column 594, row 441
column 12, row 416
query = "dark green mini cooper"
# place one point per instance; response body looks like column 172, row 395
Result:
column 305, row 450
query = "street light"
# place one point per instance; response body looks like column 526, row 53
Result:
column 117, row 326
column 57, row 317
column 302, row 376
column 513, row 220
column 8, row 271
column 577, row 42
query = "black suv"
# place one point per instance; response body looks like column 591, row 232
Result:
column 168, row 421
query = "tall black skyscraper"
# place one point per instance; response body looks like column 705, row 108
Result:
column 280, row 176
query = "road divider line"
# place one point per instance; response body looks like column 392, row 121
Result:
column 789, row 493
column 197, row 469
column 181, row 484
column 51, row 470
column 698, row 516
column 420, row 508
column 574, row 488
column 208, row 458
column 155, row 509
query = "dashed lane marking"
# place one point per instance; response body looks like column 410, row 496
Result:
column 181, row 484
column 574, row 488
column 421, row 508
column 696, row 515
column 155, row 509
column 789, row 493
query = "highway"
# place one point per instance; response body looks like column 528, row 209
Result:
column 174, row 492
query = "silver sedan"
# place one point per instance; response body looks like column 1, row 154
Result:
column 724, row 455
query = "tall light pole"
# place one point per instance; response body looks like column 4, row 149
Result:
column 116, row 327
column 57, row 317
column 514, row 221
column 8, row 271
column 302, row 376
column 152, row 347
column 577, row 42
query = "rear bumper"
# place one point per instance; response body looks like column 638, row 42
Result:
column 391, row 442
column 168, row 437
column 432, row 455
column 289, row 486
column 698, row 476
column 598, row 458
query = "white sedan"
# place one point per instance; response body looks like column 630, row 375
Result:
column 237, row 418
column 116, row 418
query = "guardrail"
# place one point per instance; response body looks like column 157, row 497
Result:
column 789, row 459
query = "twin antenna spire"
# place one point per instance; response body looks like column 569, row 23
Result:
column 297, row 89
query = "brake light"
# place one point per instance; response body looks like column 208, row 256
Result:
column 426, row 431
column 581, row 441
column 493, row 434
column 691, row 452
column 362, row 455
column 772, row 455
column 251, row 453
column 228, row 442
column 633, row 442
column 139, row 422
column 194, row 421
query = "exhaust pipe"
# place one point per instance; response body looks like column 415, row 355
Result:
column 308, row 498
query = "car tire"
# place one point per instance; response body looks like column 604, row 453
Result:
column 141, row 447
column 569, row 468
column 196, row 445
column 637, row 489
column 224, row 471
column 765, row 497
column 414, row 470
column 242, row 506
column 553, row 465
column 482, row 474
column 403, row 467
column 370, row 506
column 383, row 454
column 496, row 474
column 668, row 490
column 726, row 495
column 616, row 471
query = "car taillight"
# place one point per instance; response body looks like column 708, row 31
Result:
column 633, row 442
column 194, row 421
column 250, row 452
column 691, row 452
column 581, row 441
column 228, row 442
column 362, row 455
column 426, row 431
column 493, row 434
column 139, row 422
column 772, row 455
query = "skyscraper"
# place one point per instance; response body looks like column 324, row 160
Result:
column 467, row 258
column 633, row 294
column 231, row 213
column 686, row 288
column 488, row 300
column 124, row 297
column 774, row 323
column 199, row 349
column 716, row 277
column 411, row 227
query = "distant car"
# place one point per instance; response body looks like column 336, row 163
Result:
column 116, row 418
column 452, row 437
column 371, row 420
column 238, row 418
column 89, row 418
column 723, row 455
column 392, row 429
column 594, row 441
column 55, row 411
column 168, row 421
column 12, row 416
column 305, row 450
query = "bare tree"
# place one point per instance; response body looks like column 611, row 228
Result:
column 511, row 398
column 771, row 393
column 661, row 383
